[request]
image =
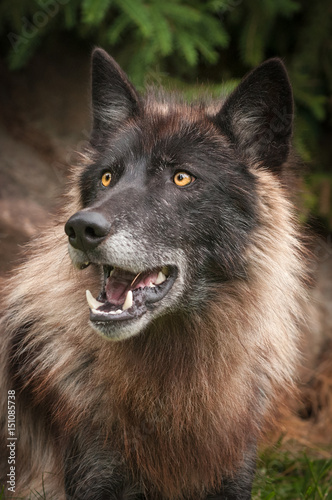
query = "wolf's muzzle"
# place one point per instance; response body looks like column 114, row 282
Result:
column 86, row 230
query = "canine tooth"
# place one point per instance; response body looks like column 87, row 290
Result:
column 93, row 303
column 111, row 272
column 128, row 302
column 165, row 270
column 160, row 278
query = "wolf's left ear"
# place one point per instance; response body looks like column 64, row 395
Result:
column 114, row 98
column 258, row 115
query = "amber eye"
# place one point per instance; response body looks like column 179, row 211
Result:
column 183, row 179
column 106, row 179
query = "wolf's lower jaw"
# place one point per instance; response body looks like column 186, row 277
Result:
column 126, row 296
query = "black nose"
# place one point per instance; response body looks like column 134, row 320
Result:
column 86, row 230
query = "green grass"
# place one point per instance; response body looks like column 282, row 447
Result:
column 282, row 475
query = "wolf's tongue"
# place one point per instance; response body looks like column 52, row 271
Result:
column 120, row 282
column 117, row 286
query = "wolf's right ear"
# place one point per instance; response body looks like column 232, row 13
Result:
column 114, row 98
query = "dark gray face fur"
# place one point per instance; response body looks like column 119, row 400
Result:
column 197, row 233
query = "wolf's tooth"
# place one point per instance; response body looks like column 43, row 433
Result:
column 160, row 278
column 129, row 301
column 111, row 272
column 93, row 303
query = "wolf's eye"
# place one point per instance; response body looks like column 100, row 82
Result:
column 183, row 179
column 106, row 179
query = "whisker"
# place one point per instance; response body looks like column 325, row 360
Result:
column 137, row 275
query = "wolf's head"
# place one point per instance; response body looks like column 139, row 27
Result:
column 169, row 199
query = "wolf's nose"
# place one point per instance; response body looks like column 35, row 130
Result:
column 86, row 230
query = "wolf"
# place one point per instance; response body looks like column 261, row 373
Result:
column 145, row 347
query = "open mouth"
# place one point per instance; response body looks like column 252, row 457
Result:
column 126, row 295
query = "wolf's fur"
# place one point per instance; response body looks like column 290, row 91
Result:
column 181, row 403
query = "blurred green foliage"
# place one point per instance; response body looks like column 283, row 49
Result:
column 215, row 41
column 143, row 33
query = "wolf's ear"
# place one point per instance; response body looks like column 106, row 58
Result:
column 114, row 98
column 258, row 115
